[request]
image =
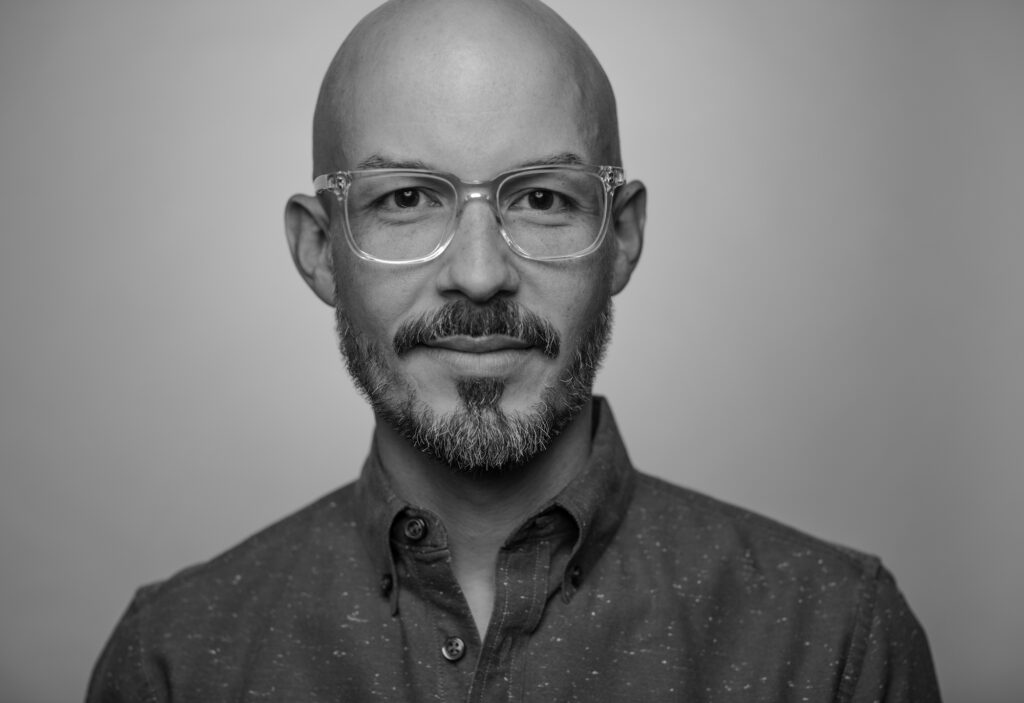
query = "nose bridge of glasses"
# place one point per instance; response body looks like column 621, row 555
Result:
column 478, row 191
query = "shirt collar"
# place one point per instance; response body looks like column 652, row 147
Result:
column 596, row 500
column 377, row 506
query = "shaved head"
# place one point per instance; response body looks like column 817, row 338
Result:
column 462, row 63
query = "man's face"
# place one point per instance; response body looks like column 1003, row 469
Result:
column 478, row 356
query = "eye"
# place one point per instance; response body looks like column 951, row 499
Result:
column 541, row 199
column 407, row 199
column 410, row 197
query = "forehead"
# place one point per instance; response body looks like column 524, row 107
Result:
column 470, row 102
column 471, row 135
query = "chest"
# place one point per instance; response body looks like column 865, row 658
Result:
column 619, row 638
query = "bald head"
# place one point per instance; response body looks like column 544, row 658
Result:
column 446, row 78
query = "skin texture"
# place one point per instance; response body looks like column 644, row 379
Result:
column 472, row 87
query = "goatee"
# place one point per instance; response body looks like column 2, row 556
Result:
column 479, row 435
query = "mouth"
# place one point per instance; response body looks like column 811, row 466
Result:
column 479, row 345
column 489, row 355
column 501, row 326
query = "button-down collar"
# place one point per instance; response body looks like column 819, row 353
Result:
column 595, row 501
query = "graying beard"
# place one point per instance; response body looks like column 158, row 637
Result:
column 480, row 436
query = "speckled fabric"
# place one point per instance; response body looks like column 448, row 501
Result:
column 624, row 588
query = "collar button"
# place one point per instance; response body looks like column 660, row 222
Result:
column 414, row 529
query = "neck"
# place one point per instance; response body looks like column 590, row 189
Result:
column 481, row 509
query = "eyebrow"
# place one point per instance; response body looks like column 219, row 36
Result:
column 375, row 161
column 379, row 161
column 566, row 158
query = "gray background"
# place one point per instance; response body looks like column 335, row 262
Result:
column 825, row 325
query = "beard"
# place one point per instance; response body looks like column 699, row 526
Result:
column 479, row 435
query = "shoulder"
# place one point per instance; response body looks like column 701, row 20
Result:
column 204, row 623
column 319, row 537
column 709, row 531
column 821, row 604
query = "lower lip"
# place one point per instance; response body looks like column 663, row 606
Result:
column 500, row 362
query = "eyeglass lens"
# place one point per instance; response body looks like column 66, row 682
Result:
column 405, row 216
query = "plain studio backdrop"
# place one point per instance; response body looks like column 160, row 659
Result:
column 825, row 326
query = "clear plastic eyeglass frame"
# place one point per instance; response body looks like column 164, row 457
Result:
column 338, row 183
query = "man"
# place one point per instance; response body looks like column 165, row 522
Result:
column 470, row 226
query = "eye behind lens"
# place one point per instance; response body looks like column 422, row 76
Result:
column 408, row 198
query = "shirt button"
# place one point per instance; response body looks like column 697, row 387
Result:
column 454, row 649
column 387, row 582
column 414, row 529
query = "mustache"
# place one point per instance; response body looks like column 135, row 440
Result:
column 461, row 317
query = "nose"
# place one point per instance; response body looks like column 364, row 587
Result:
column 478, row 264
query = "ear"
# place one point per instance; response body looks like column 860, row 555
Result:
column 629, row 214
column 307, row 227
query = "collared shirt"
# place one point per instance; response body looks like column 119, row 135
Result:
column 622, row 588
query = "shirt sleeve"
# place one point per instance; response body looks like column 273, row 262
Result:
column 122, row 674
column 890, row 659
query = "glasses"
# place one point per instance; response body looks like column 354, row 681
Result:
column 409, row 216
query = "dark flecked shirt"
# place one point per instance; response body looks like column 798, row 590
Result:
column 623, row 588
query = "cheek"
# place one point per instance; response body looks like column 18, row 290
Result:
column 574, row 301
column 374, row 301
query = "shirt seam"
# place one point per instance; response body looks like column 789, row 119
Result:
column 853, row 668
column 150, row 689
